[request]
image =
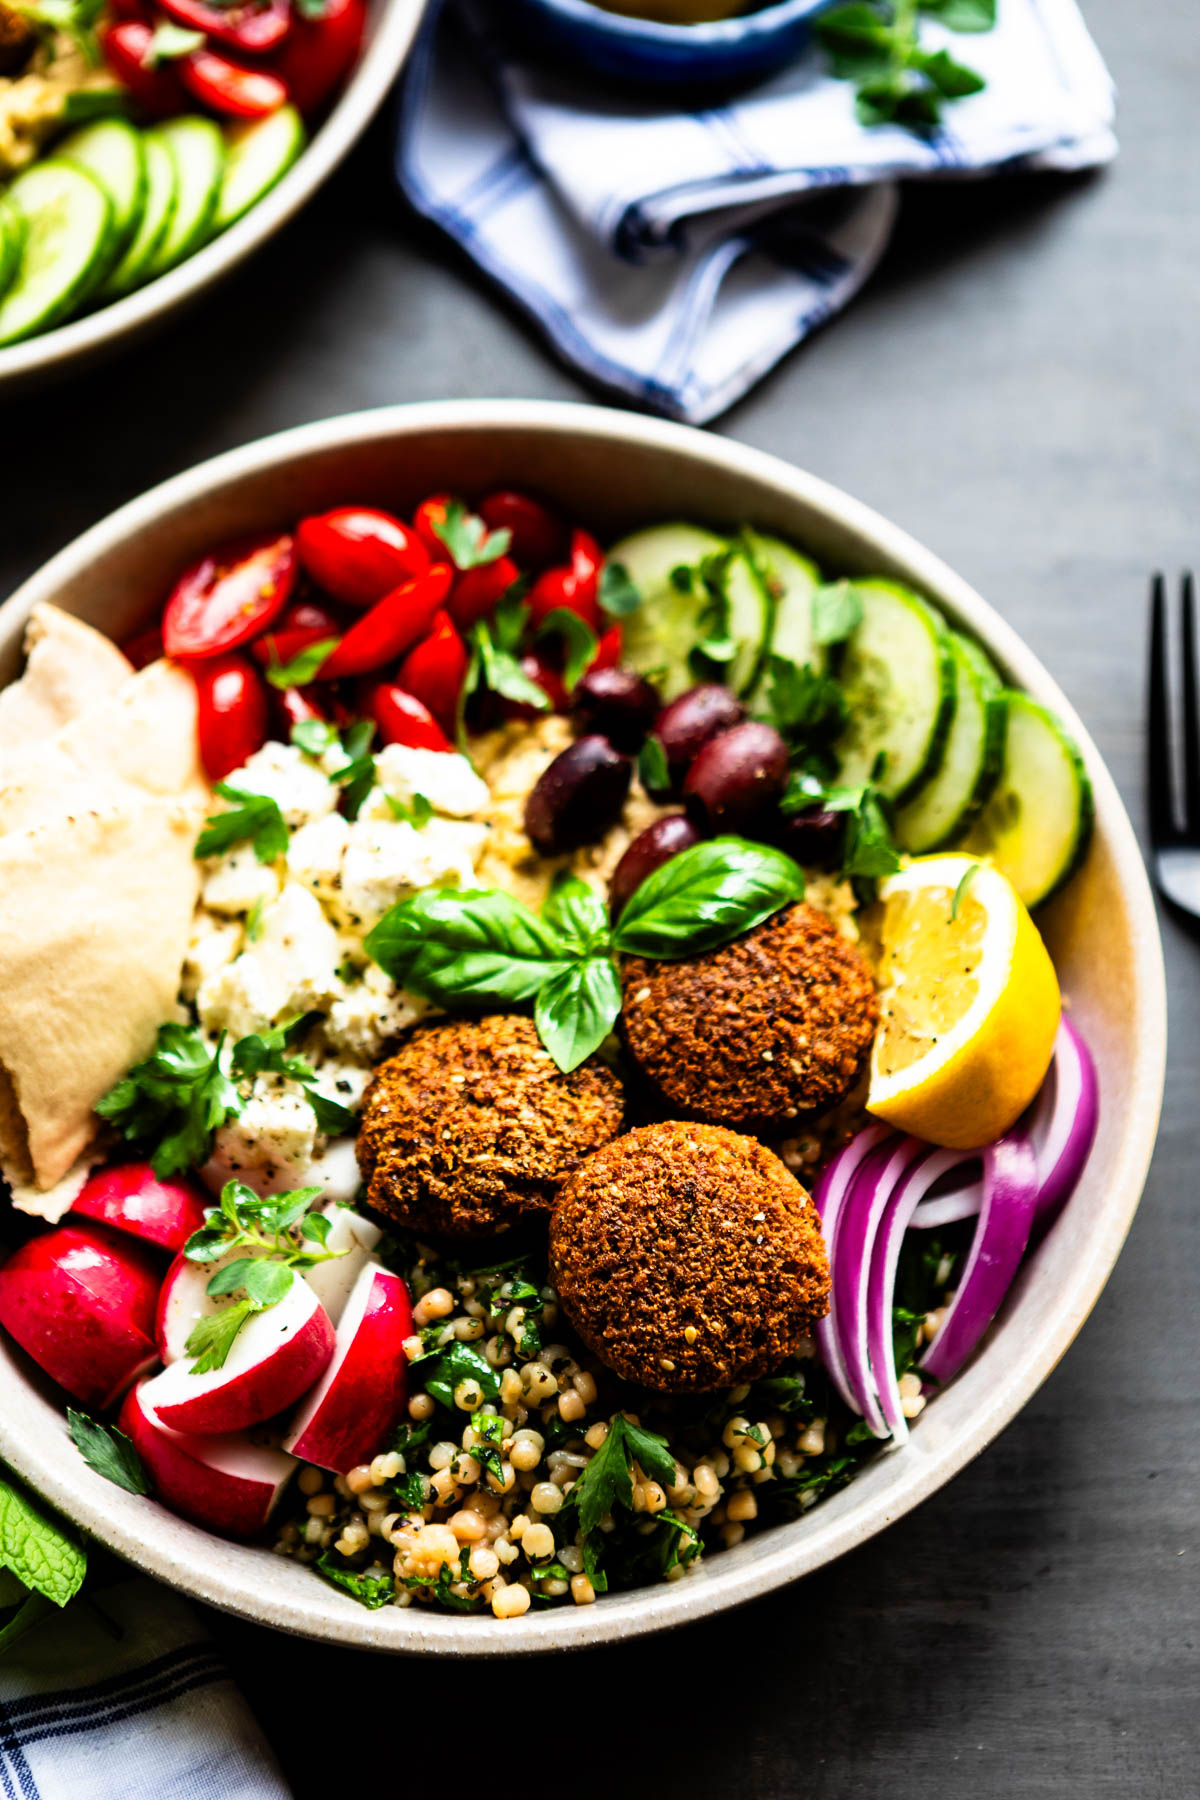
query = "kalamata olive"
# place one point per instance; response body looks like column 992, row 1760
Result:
column 618, row 703
column 649, row 850
column 735, row 776
column 692, row 721
column 579, row 796
column 812, row 837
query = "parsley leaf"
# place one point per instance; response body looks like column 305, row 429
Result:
column 170, row 1105
column 441, row 1373
column 266, row 1052
column 468, row 539
column 869, row 847
column 579, row 642
column 618, row 593
column 314, row 736
column 304, row 666
column 108, row 1451
column 169, row 43
column 370, row 1587
column 416, row 814
column 809, row 710
column 212, row 1338
column 607, row 1480
column 253, row 818
column 837, row 611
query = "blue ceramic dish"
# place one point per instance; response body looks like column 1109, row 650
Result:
column 723, row 54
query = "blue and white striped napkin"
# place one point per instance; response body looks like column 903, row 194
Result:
column 124, row 1697
column 676, row 256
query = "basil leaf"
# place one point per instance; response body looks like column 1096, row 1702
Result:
column 579, row 640
column 837, row 610
column 476, row 945
column 304, row 666
column 576, row 912
column 575, row 1011
column 618, row 593
column 36, row 1549
column 108, row 1451
column 253, row 818
column 705, row 896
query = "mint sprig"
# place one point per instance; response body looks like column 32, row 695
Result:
column 876, row 44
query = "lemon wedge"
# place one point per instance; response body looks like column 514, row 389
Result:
column 969, row 1004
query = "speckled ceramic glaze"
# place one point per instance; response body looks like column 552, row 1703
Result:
column 616, row 471
column 391, row 27
column 724, row 53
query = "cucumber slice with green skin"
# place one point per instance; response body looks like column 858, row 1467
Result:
column 662, row 563
column 749, row 618
column 1037, row 825
column 260, row 153
column 152, row 227
column 898, row 674
column 112, row 151
column 12, row 243
column 199, row 152
column 971, row 764
column 68, row 230
column 792, row 580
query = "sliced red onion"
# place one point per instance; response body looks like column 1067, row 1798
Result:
column 862, row 1211
column 1010, row 1202
column 829, row 1198
column 961, row 1199
column 1062, row 1120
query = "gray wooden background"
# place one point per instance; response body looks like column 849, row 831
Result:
column 1020, row 388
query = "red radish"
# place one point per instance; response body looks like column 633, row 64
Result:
column 231, row 713
column 231, row 88
column 131, row 1198
column 276, row 1357
column 402, row 719
column 227, row 1483
column 356, row 1405
column 229, row 596
column 538, row 537
column 353, row 1238
column 319, row 51
column 392, row 626
column 80, row 1300
column 358, row 554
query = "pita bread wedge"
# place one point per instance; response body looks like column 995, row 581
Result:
column 95, row 910
column 70, row 668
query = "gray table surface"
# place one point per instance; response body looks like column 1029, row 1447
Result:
column 1019, row 388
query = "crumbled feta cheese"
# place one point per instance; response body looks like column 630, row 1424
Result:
column 240, row 882
column 235, row 998
column 213, row 943
column 298, row 951
column 298, row 787
column 314, row 855
column 386, row 862
column 345, row 1082
column 372, row 1011
column 271, row 1144
column 447, row 781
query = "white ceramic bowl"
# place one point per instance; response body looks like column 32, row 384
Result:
column 614, row 470
column 391, row 27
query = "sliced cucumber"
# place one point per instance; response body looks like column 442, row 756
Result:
column 112, row 151
column 12, row 242
column 898, row 675
column 260, row 154
column 68, row 230
column 1037, row 825
column 792, row 580
column 662, row 563
column 749, row 617
column 199, row 152
column 152, row 227
column 974, row 752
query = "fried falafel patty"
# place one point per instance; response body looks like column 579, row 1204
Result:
column 471, row 1127
column 774, row 1025
column 688, row 1257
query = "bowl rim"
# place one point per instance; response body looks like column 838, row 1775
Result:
column 211, row 1572
column 363, row 94
column 711, row 34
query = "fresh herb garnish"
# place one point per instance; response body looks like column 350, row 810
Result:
column 304, row 666
column 837, row 610
column 314, row 736
column 716, row 645
column 169, row 43
column 876, row 44
column 618, row 594
column 416, row 813
column 74, row 19
column 869, row 850
column 960, row 892
column 40, row 1553
column 607, row 1483
column 653, row 769
column 482, row 945
column 808, row 710
column 266, row 1053
column 356, row 774
column 108, row 1451
column 442, row 1372
column 579, row 642
column 468, row 539
column 170, row 1105
column 370, row 1587
column 250, row 818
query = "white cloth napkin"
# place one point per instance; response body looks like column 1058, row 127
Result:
column 677, row 255
column 124, row 1697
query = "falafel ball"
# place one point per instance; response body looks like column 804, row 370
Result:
column 17, row 41
column 774, row 1025
column 688, row 1257
column 471, row 1127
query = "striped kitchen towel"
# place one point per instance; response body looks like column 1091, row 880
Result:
column 675, row 256
column 124, row 1697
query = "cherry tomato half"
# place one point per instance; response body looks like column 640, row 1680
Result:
column 145, row 648
column 319, row 53
column 230, row 88
column 428, row 517
column 538, row 538
column 577, row 586
column 303, row 623
column 231, row 713
column 608, row 650
column 477, row 591
column 249, row 27
column 359, row 554
column 400, row 718
column 434, row 671
column 393, row 625
column 157, row 90
column 548, row 679
column 229, row 596
column 295, row 706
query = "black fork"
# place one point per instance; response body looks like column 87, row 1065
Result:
column 1174, row 802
